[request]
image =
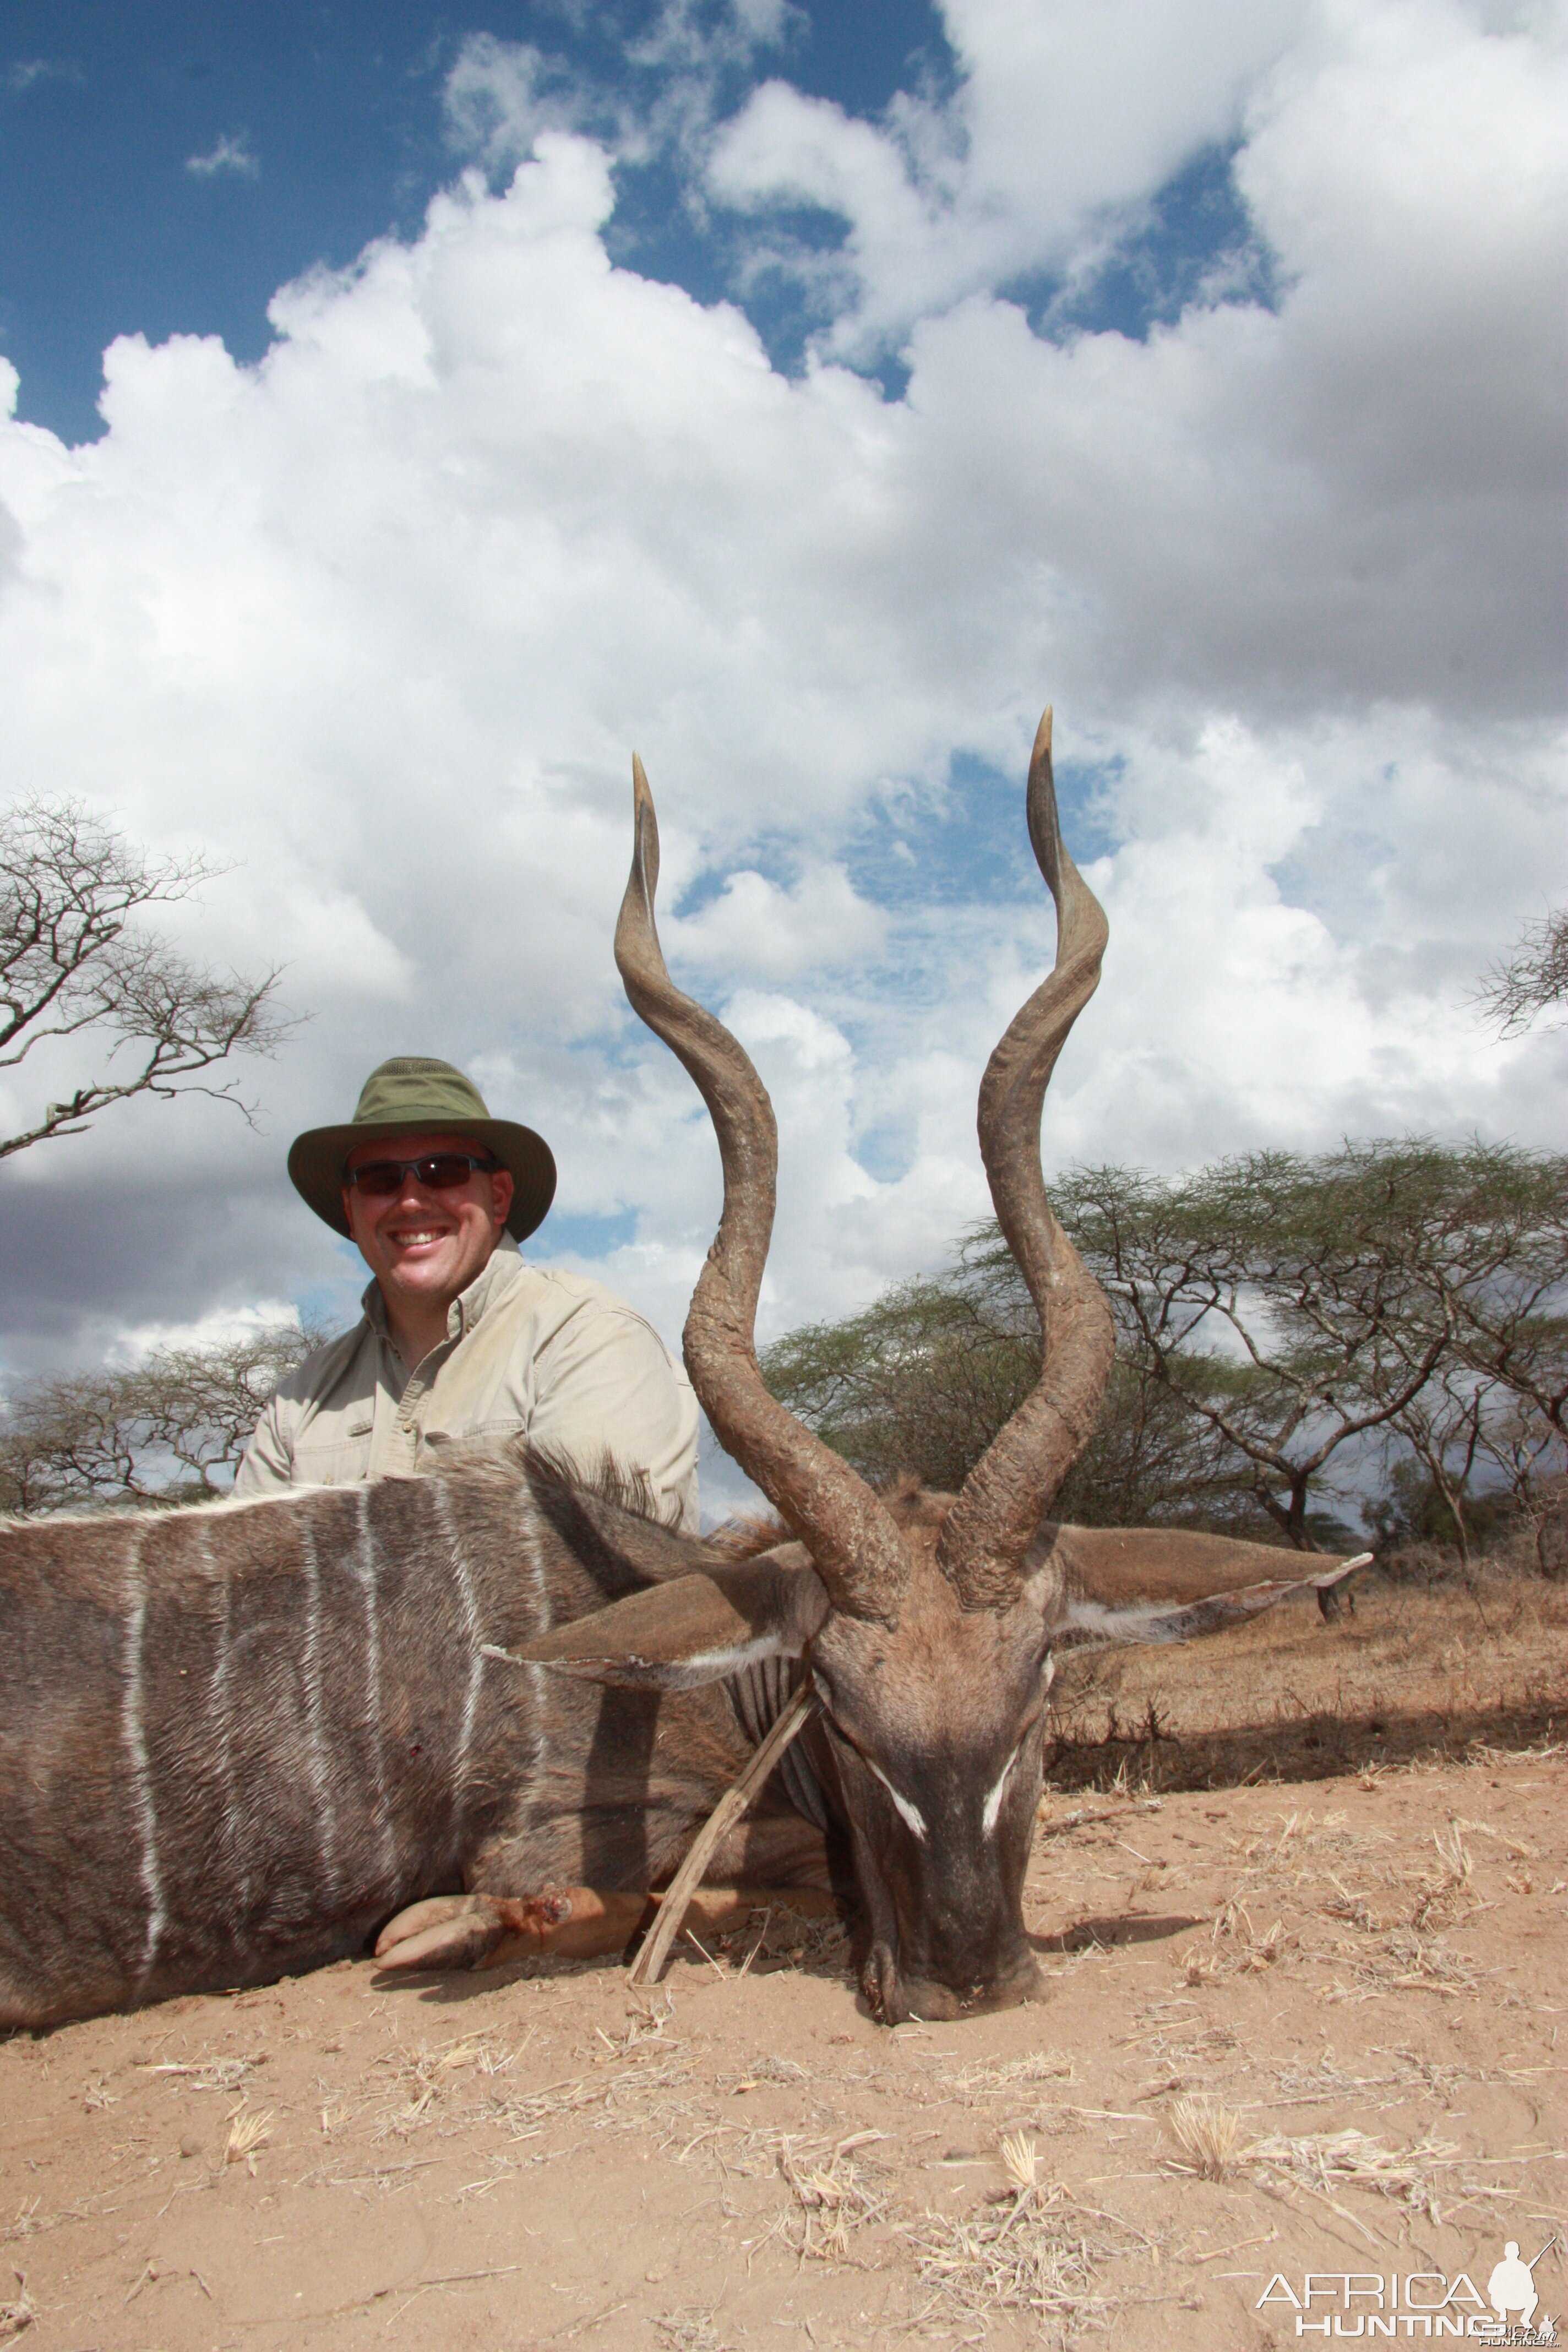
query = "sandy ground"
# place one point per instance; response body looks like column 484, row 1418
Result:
column 1305, row 2026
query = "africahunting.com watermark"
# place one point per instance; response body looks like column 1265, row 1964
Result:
column 1414, row 2304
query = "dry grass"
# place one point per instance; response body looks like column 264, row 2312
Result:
column 31, row 2222
column 1038, row 2253
column 1001, row 2078
column 779, row 1938
column 1326, row 2160
column 249, row 2129
column 835, row 2198
column 20, row 2312
column 1416, row 1672
column 1398, row 1916
column 1020, row 2160
column 1210, row 2143
column 224, row 2073
column 692, row 2331
column 455, row 2075
column 1207, row 2137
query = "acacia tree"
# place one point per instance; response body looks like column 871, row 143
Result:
column 1512, row 1333
column 1513, row 1370
column 1277, row 1316
column 170, row 1429
column 1326, row 1298
column 1448, row 1428
column 923, row 1379
column 73, row 961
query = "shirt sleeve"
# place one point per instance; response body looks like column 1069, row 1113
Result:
column 268, row 1463
column 609, row 1393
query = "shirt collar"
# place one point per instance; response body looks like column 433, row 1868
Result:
column 502, row 1269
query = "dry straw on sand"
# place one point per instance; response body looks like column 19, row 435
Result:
column 249, row 2128
column 1207, row 2137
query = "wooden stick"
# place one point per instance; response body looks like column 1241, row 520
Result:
column 648, row 1966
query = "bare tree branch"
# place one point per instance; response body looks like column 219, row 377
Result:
column 1533, row 979
column 72, row 960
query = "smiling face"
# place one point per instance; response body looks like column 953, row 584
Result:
column 935, row 1731
column 426, row 1246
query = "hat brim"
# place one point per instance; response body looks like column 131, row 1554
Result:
column 316, row 1164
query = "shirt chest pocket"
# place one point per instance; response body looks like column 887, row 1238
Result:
column 493, row 1433
column 339, row 1457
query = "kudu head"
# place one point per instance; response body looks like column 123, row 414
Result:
column 926, row 1625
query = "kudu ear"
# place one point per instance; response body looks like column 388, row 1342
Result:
column 1158, row 1584
column 695, row 1629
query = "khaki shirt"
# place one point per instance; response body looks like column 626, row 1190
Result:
column 528, row 1351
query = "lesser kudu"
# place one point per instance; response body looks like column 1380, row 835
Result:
column 235, row 1739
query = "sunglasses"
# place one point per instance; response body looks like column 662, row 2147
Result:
column 437, row 1172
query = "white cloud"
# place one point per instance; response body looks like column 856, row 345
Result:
column 377, row 622
column 134, row 1347
column 818, row 923
column 492, row 99
column 1065, row 123
column 227, row 154
column 498, row 95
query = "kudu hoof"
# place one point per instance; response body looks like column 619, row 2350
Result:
column 486, row 1931
column 446, row 1931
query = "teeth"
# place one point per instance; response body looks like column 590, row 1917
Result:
column 416, row 1240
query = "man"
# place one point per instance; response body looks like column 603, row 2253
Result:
column 459, row 1338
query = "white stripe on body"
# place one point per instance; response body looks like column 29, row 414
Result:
column 364, row 1571
column 538, row 1674
column 473, row 1634
column 134, row 1731
column 320, row 1767
column 220, row 1709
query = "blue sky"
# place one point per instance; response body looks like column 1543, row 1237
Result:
column 164, row 169
column 417, row 411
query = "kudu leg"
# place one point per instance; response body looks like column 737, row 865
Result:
column 572, row 1923
column 477, row 1931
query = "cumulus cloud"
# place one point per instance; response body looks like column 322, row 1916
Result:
column 1064, row 124
column 498, row 95
column 376, row 621
column 818, row 922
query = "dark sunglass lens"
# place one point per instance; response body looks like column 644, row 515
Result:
column 445, row 1171
column 441, row 1171
column 379, row 1176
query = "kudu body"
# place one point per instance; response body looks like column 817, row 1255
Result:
column 234, row 1740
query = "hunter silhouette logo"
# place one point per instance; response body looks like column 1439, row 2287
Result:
column 1511, row 2288
column 1418, row 2304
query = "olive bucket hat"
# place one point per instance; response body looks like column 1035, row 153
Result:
column 409, row 1096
